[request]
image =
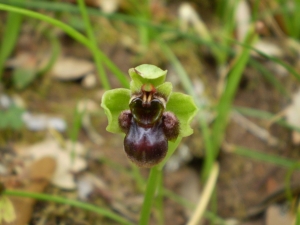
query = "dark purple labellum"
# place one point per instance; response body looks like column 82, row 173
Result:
column 146, row 147
column 148, row 129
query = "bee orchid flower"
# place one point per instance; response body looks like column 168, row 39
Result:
column 149, row 114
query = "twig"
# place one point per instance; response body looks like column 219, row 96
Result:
column 256, row 130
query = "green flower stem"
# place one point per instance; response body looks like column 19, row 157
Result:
column 71, row 202
column 140, row 182
column 153, row 182
column 160, row 201
column 93, row 41
column 75, row 35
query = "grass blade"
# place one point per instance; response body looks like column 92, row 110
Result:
column 71, row 202
column 10, row 37
column 270, row 77
column 187, row 85
column 226, row 99
column 265, row 115
column 93, row 41
column 254, row 154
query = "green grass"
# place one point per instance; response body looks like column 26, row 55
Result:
column 9, row 38
column 269, row 158
column 93, row 41
column 71, row 202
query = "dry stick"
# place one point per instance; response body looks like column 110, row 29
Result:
column 253, row 128
column 204, row 198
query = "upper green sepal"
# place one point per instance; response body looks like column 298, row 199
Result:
column 165, row 90
column 114, row 102
column 146, row 74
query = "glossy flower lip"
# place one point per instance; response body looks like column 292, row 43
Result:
column 146, row 115
column 117, row 100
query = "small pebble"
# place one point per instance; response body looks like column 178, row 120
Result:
column 89, row 81
column 5, row 101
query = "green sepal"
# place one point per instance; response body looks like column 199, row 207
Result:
column 165, row 89
column 146, row 74
column 114, row 102
column 185, row 109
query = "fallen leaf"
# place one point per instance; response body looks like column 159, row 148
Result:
column 278, row 215
column 69, row 160
column 38, row 174
column 70, row 68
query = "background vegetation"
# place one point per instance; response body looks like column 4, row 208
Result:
column 239, row 60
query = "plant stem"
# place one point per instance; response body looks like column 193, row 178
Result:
column 152, row 184
column 71, row 202
column 160, row 201
column 140, row 181
column 93, row 41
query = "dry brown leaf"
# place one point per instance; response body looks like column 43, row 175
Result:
column 66, row 165
column 278, row 215
column 70, row 68
column 39, row 174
